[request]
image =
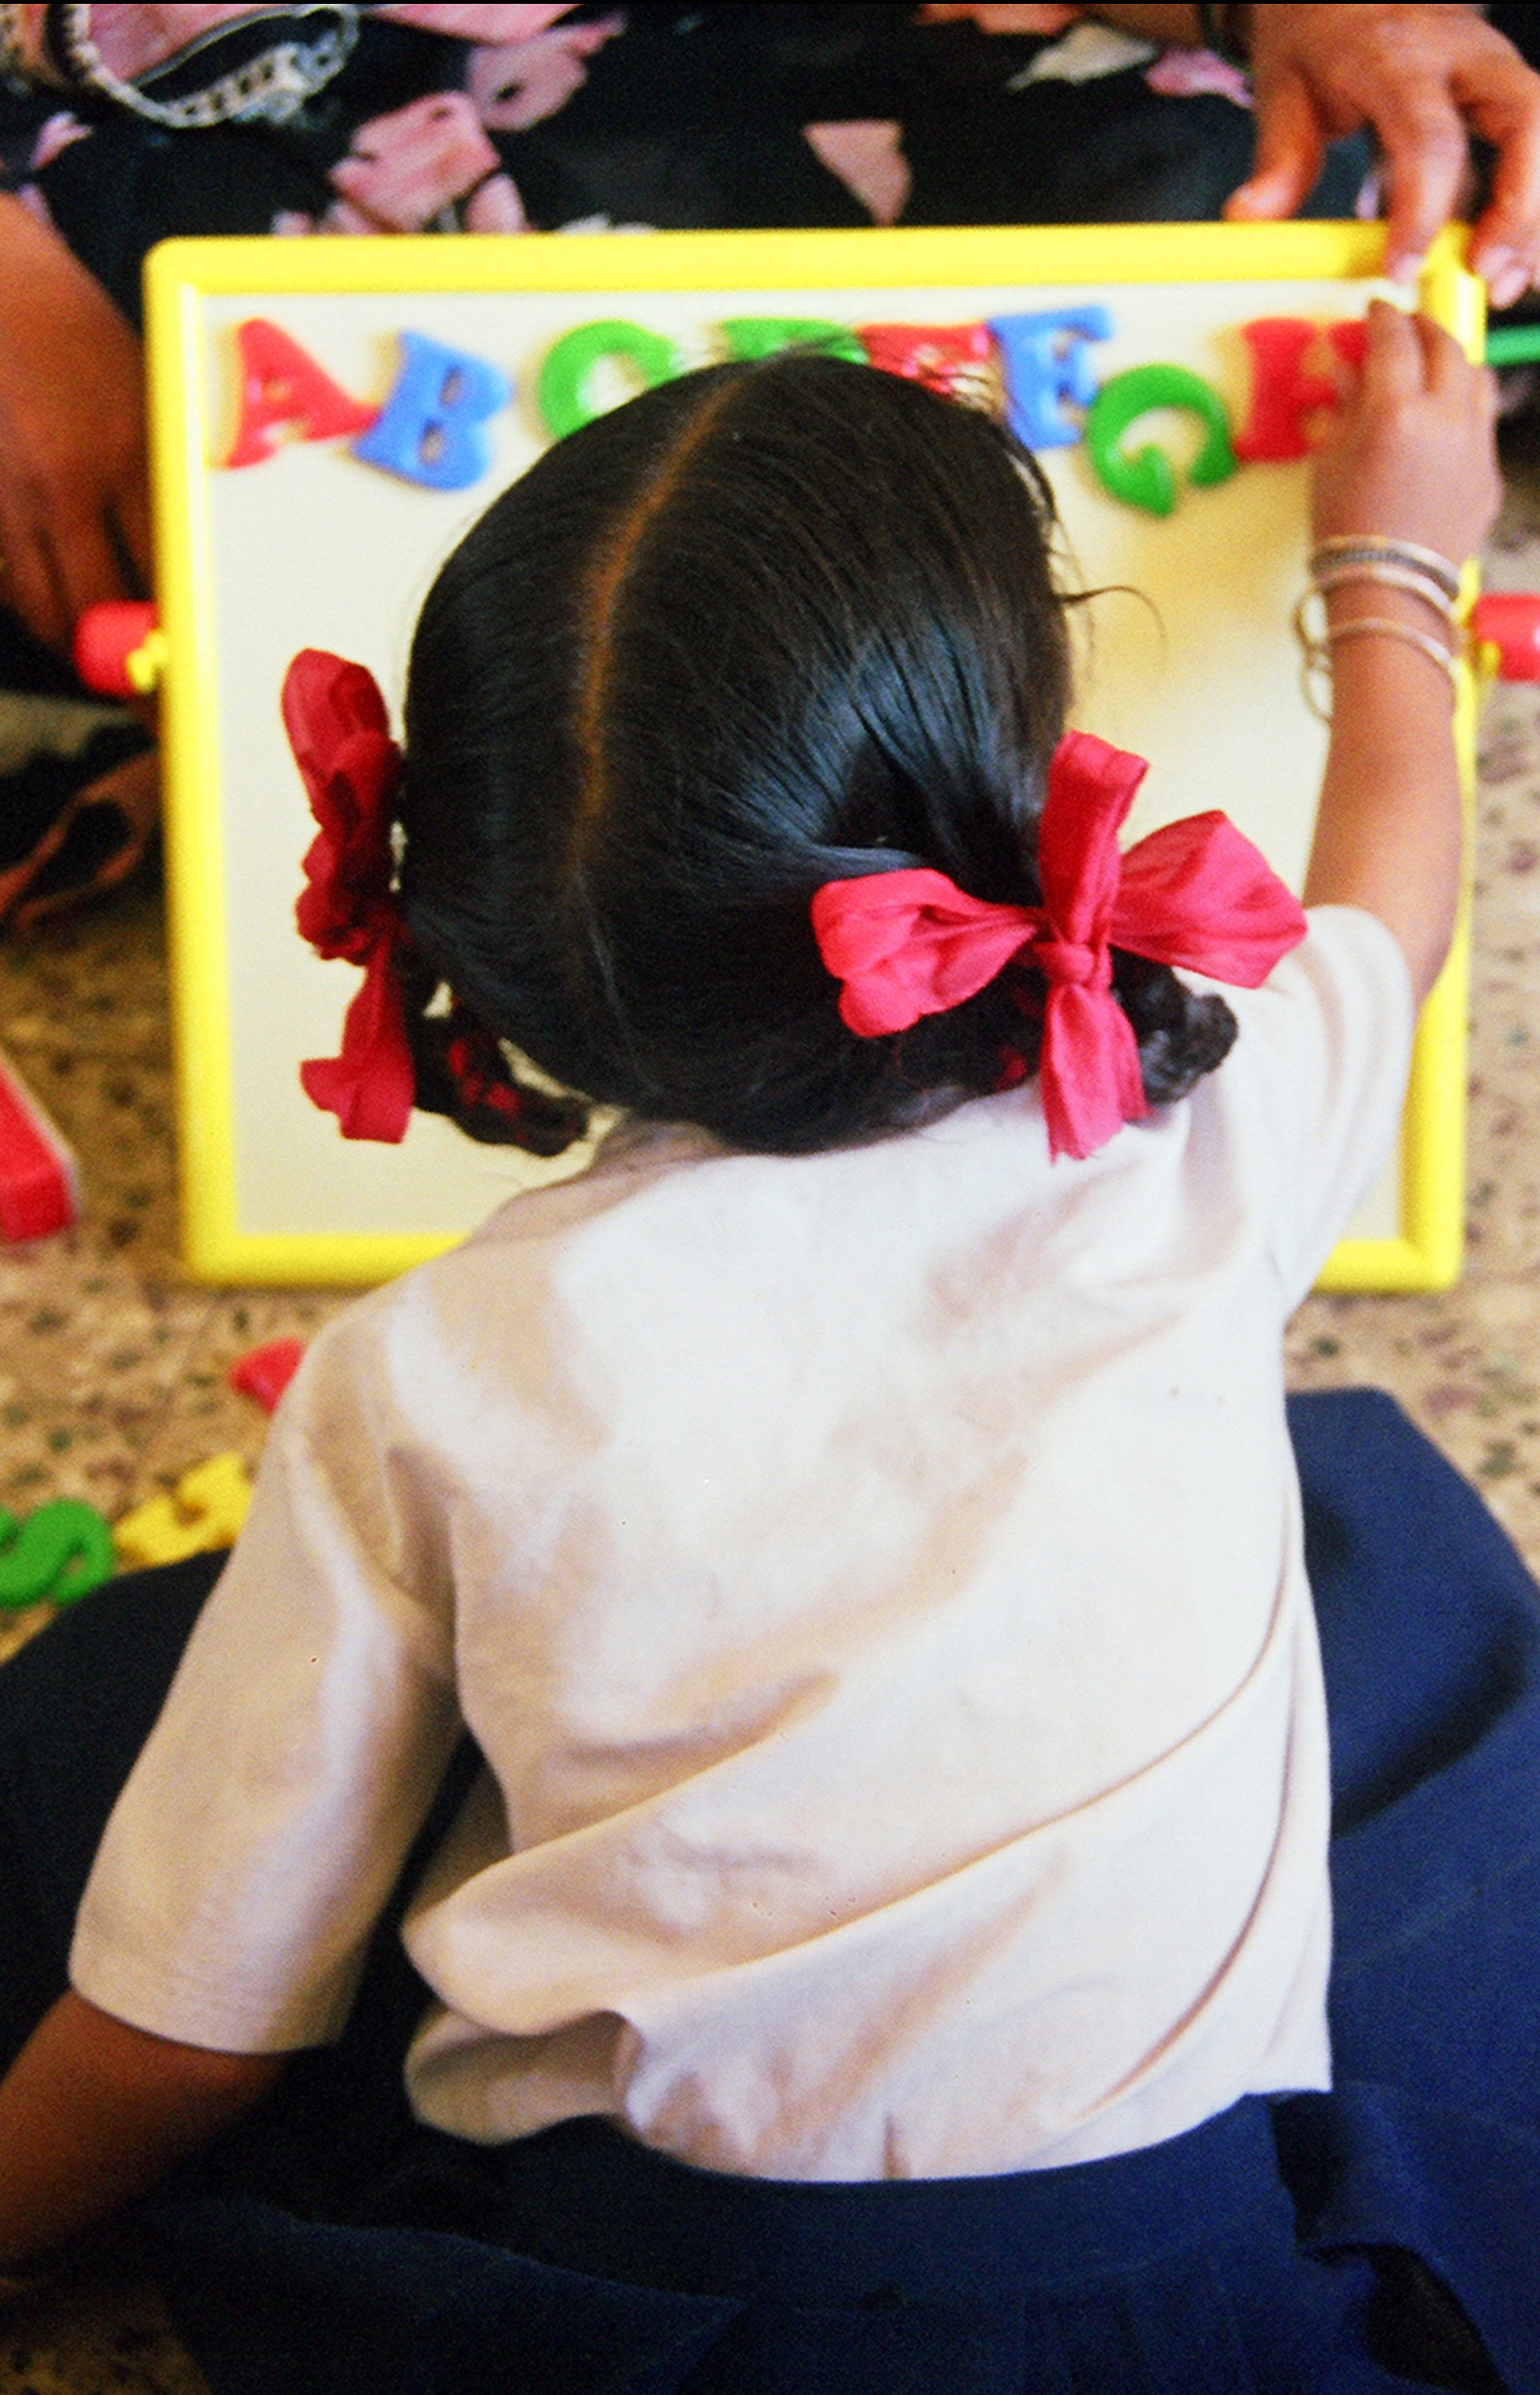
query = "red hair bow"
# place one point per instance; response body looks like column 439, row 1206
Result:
column 1195, row 894
column 340, row 733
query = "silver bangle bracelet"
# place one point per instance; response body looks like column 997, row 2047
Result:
column 1365, row 548
column 1393, row 578
column 1318, row 653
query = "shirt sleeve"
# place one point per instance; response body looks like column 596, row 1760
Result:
column 300, row 1747
column 1322, row 1067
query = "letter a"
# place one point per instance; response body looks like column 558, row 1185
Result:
column 285, row 394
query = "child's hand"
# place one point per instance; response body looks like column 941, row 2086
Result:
column 1410, row 458
column 1410, row 454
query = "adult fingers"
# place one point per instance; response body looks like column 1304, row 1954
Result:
column 88, row 563
column 1506, row 239
column 131, row 516
column 57, row 566
column 29, row 583
column 1423, row 153
column 1291, row 149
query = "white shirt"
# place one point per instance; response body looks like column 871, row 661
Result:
column 875, row 1582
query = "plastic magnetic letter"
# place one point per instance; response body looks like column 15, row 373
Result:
column 761, row 336
column 945, row 358
column 564, row 393
column 39, row 1184
column 431, row 428
column 1145, row 479
column 1285, row 392
column 206, row 1511
column 265, row 1372
column 1047, row 370
column 284, row 396
column 59, row 1553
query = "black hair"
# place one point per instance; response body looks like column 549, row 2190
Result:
column 767, row 626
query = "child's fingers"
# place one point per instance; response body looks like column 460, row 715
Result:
column 1393, row 366
column 1466, row 395
column 1449, row 371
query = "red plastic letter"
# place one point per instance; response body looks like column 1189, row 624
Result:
column 265, row 1372
column 38, row 1190
column 1286, row 390
column 285, row 393
column 955, row 360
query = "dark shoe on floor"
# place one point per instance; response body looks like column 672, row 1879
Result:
column 72, row 827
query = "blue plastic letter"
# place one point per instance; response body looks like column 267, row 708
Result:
column 430, row 429
column 1046, row 366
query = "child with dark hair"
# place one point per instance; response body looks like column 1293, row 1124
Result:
column 877, row 1932
column 707, row 656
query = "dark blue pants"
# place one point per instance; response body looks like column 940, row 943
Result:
column 1342, row 2243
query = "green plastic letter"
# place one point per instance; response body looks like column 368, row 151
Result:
column 1146, row 480
column 564, row 393
column 760, row 337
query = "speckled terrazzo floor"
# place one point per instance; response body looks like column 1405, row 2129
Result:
column 113, row 1368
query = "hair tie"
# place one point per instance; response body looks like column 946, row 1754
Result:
column 340, row 733
column 1196, row 893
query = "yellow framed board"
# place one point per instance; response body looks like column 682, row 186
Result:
column 329, row 416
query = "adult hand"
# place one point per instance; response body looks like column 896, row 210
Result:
column 73, row 501
column 1423, row 79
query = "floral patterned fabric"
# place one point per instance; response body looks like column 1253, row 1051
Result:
column 500, row 119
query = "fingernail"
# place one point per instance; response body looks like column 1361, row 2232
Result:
column 1405, row 269
column 1507, row 280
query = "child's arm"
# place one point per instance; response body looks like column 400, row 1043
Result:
column 1410, row 457
column 92, row 2111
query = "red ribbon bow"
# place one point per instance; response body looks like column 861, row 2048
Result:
column 340, row 733
column 1195, row 894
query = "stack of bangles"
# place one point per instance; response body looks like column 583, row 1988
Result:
column 1401, row 565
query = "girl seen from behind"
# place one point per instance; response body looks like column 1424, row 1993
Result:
column 882, row 1930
